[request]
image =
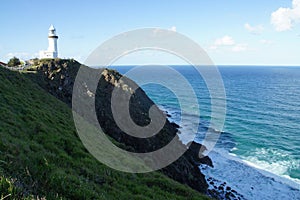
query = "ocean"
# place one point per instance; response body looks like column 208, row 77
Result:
column 258, row 152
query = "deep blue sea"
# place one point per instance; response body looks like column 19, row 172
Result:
column 258, row 152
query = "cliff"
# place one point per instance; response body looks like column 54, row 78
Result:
column 57, row 77
column 41, row 156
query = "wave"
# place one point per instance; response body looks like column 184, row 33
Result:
column 250, row 176
column 248, row 180
column 274, row 161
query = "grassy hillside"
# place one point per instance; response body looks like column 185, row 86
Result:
column 57, row 77
column 41, row 155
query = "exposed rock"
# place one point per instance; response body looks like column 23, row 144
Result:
column 57, row 77
column 207, row 161
column 195, row 154
column 220, row 190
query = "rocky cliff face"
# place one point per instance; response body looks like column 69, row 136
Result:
column 58, row 76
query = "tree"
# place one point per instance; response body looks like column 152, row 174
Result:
column 14, row 62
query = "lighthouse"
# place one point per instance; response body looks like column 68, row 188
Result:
column 52, row 51
column 52, row 39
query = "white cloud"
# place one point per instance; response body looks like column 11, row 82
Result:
column 240, row 47
column 173, row 28
column 213, row 47
column 224, row 41
column 267, row 42
column 21, row 55
column 254, row 29
column 16, row 54
column 228, row 43
column 78, row 57
column 284, row 19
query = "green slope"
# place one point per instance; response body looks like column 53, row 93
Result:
column 41, row 155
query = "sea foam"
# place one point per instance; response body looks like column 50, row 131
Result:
column 248, row 180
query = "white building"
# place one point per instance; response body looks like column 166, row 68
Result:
column 51, row 52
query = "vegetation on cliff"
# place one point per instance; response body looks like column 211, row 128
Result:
column 42, row 156
column 14, row 62
column 57, row 77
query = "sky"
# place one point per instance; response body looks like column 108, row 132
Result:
column 232, row 32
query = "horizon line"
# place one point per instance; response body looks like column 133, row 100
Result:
column 217, row 65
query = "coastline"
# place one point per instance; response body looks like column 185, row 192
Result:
column 227, row 140
column 219, row 174
column 233, row 175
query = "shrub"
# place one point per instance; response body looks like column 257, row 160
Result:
column 14, row 62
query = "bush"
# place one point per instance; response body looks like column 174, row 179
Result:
column 14, row 62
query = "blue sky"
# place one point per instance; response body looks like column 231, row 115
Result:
column 265, row 32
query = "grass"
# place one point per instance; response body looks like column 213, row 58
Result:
column 41, row 155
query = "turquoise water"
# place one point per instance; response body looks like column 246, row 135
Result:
column 262, row 123
column 263, row 115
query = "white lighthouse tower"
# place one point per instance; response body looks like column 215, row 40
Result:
column 52, row 48
column 52, row 39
